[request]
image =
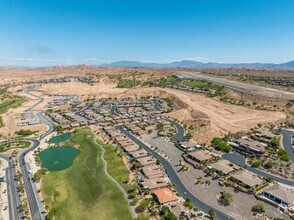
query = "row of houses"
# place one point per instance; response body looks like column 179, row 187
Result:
column 254, row 143
column 62, row 100
column 274, row 194
column 82, row 79
column 152, row 177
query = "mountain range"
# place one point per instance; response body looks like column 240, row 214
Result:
column 197, row 64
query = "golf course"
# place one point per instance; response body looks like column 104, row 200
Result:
column 83, row 191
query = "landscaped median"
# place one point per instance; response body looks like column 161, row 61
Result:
column 84, row 191
column 14, row 145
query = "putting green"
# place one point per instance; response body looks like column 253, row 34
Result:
column 58, row 158
column 61, row 138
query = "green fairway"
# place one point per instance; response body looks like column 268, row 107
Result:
column 116, row 167
column 10, row 103
column 83, row 191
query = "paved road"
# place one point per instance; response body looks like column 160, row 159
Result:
column 33, row 199
column 287, row 143
column 241, row 87
column 33, row 106
column 180, row 136
column 113, row 110
column 174, row 178
column 14, row 200
column 241, row 161
column 35, row 205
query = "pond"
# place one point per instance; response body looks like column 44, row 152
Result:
column 58, row 158
column 60, row 138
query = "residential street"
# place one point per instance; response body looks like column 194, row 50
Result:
column 174, row 178
column 287, row 142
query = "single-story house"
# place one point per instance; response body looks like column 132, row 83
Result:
column 248, row 146
column 152, row 171
column 201, row 156
column 280, row 195
column 246, row 178
column 164, row 196
column 224, row 167
column 144, row 161
column 139, row 154
column 131, row 148
column 155, row 183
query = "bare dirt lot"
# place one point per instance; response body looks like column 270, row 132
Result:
column 10, row 118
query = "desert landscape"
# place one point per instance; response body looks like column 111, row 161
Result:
column 213, row 117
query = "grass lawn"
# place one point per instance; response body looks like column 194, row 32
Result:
column 116, row 167
column 83, row 191
column 2, row 90
column 10, row 103
column 15, row 145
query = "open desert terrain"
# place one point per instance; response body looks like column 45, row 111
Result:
column 214, row 117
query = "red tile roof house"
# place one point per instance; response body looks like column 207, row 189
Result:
column 165, row 196
column 140, row 132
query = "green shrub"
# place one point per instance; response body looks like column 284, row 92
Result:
column 218, row 143
column 258, row 208
column 256, row 163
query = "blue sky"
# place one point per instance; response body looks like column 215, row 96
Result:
column 69, row 32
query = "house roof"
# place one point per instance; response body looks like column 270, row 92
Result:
column 201, row 155
column 146, row 160
column 224, row 166
column 247, row 177
column 139, row 153
column 154, row 183
column 152, row 171
column 131, row 148
column 188, row 144
column 281, row 193
column 165, row 195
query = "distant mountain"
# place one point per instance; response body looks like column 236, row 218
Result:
column 197, row 64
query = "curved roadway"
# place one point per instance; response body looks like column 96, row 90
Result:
column 174, row 178
column 287, row 142
column 36, row 207
column 241, row 161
